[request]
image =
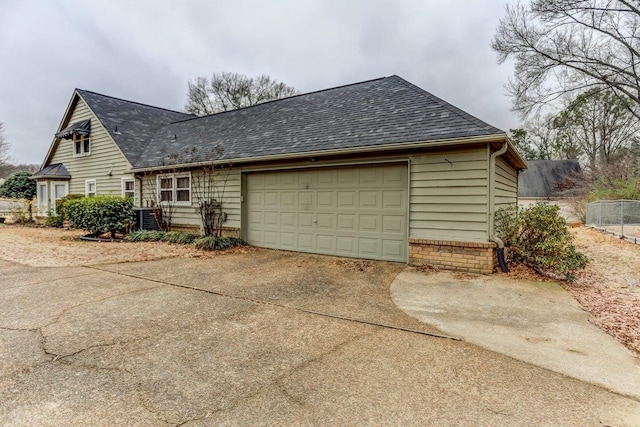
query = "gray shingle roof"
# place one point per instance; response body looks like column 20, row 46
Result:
column 373, row 113
column 136, row 123
column 545, row 178
column 55, row 170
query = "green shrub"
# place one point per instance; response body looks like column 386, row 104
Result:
column 19, row 186
column 57, row 219
column 179, row 237
column 213, row 243
column 100, row 214
column 145, row 236
column 540, row 238
column 54, row 220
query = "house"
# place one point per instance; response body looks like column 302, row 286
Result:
column 379, row 169
column 548, row 181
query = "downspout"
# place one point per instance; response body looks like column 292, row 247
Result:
column 492, row 190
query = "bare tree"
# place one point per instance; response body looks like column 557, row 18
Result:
column 570, row 46
column 229, row 91
column 6, row 168
column 599, row 125
column 537, row 140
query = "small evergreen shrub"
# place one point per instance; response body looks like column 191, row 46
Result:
column 213, row 243
column 54, row 220
column 540, row 238
column 100, row 214
column 145, row 236
column 179, row 237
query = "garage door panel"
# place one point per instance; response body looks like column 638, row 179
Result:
column 346, row 221
column 393, row 224
column 393, row 199
column 270, row 181
column 326, row 199
column 326, row 221
column 305, row 200
column 271, row 238
column 306, row 242
column 346, row 246
column 368, row 223
column 255, row 219
column 370, row 177
column 346, row 199
column 271, row 199
column 326, row 243
column 327, row 178
column 351, row 211
column 394, row 177
column 288, row 240
column 288, row 219
column 368, row 246
column 346, row 177
column 392, row 248
column 305, row 220
column 369, row 200
column 288, row 199
column 271, row 219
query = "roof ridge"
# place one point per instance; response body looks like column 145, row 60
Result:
column 132, row 102
column 461, row 113
column 282, row 99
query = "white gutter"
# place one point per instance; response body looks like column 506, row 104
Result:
column 355, row 150
column 492, row 193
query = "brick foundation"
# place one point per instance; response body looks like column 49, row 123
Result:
column 460, row 256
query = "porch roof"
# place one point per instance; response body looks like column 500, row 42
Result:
column 55, row 170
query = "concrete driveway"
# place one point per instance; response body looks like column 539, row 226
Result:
column 265, row 338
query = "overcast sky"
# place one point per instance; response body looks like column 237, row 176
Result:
column 147, row 50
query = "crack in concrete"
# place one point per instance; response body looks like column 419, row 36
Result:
column 289, row 307
column 278, row 382
column 48, row 281
column 106, row 298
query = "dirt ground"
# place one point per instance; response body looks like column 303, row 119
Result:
column 609, row 289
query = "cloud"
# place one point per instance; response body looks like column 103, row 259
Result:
column 146, row 51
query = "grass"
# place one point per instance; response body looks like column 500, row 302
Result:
column 208, row 243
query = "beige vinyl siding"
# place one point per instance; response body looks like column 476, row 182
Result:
column 449, row 195
column 188, row 215
column 506, row 186
column 106, row 163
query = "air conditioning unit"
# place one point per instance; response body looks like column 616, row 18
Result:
column 145, row 219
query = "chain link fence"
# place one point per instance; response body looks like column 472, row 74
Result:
column 618, row 217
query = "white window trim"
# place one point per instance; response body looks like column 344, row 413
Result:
column 43, row 203
column 123, row 188
column 86, row 187
column 82, row 153
column 52, row 194
column 174, row 192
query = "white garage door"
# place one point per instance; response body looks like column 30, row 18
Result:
column 355, row 212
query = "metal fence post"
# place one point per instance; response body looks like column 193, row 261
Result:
column 622, row 218
column 600, row 216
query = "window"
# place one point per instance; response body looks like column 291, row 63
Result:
column 43, row 199
column 90, row 188
column 128, row 187
column 81, row 145
column 60, row 189
column 175, row 188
